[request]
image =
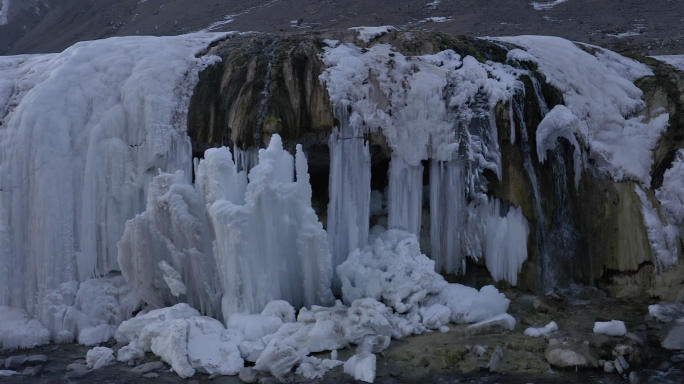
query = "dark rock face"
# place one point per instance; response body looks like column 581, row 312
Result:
column 264, row 85
column 579, row 233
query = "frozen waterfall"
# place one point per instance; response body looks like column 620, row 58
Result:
column 83, row 134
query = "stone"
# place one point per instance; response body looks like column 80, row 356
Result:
column 496, row 360
column 14, row 363
column 480, row 350
column 549, row 304
column 623, row 362
column 634, row 378
column 77, row 374
column 151, row 375
column 664, row 366
column 148, row 367
column 396, row 372
column 674, row 339
column 34, row 371
column 608, row 367
column 491, row 328
column 570, row 356
column 77, row 367
column 634, row 338
column 248, row 375
column 622, row 350
column 36, row 359
column 677, row 358
column 618, row 366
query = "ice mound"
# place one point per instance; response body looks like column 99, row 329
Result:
column 362, row 367
column 666, row 312
column 610, row 328
column 132, row 329
column 19, row 330
column 468, row 305
column 99, row 357
column 390, row 269
column 543, row 331
column 183, row 339
column 90, row 311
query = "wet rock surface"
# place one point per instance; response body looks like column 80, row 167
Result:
column 571, row 354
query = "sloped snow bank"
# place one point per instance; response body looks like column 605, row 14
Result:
column 676, row 61
column 598, row 90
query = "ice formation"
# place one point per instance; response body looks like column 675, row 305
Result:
column 438, row 107
column 662, row 233
column 671, row 193
column 598, row 89
column 390, row 269
column 667, row 312
column 395, row 293
column 84, row 132
column 99, row 357
column 19, row 330
column 610, row 328
column 543, row 331
column 236, row 245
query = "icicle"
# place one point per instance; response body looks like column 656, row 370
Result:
column 405, row 195
column 349, row 207
column 245, row 160
column 273, row 247
column 447, row 213
column 506, row 241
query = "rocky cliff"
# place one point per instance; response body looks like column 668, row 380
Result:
column 588, row 228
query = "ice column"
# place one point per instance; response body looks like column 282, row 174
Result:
column 405, row 195
column 349, row 185
column 172, row 230
column 447, row 213
column 273, row 246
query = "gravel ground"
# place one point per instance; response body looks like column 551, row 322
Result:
column 647, row 27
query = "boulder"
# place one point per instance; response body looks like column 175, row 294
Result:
column 550, row 303
column 570, row 356
column 495, row 325
column 674, row 339
column 148, row 367
column 15, row 363
column 496, row 360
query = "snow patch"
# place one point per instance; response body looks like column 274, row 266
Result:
column 546, row 6
column 543, row 331
column 676, row 61
column 610, row 328
column 367, row 34
column 598, row 90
